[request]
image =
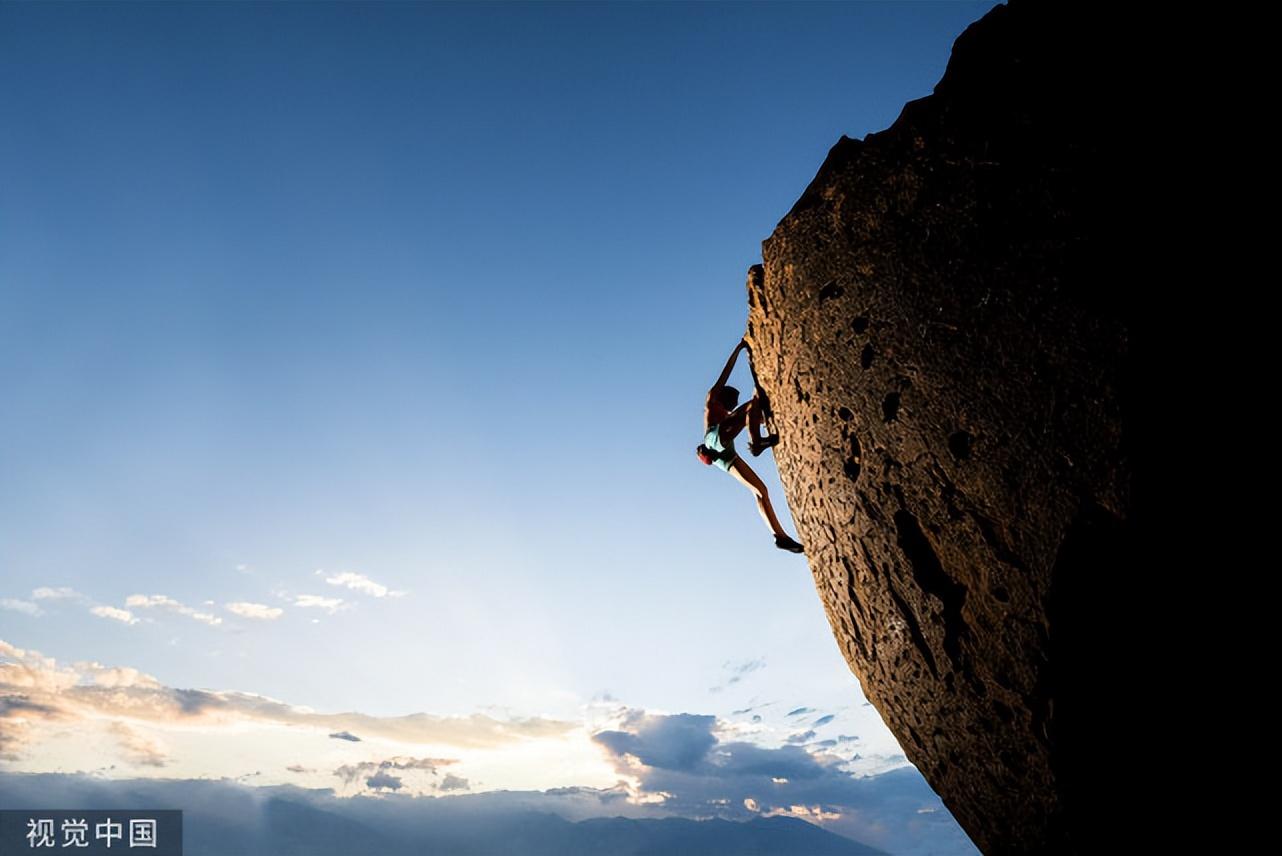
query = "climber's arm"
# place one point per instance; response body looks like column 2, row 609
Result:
column 734, row 355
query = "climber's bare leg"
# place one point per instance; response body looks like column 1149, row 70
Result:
column 744, row 473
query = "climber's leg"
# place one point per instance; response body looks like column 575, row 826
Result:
column 740, row 470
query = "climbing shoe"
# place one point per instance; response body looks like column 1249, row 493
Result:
column 783, row 542
column 757, row 446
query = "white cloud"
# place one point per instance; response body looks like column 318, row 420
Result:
column 144, row 601
column 137, row 748
column 150, row 600
column 48, row 701
column 123, row 615
column 47, row 593
column 315, row 601
column 20, row 606
column 361, row 583
column 115, row 677
column 255, row 610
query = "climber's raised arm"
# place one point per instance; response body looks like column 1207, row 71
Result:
column 734, row 355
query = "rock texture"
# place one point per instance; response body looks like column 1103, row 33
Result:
column 945, row 345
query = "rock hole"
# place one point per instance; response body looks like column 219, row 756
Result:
column 890, row 407
column 830, row 291
column 860, row 324
column 865, row 356
column 1004, row 713
column 933, row 579
column 959, row 445
column 856, row 460
column 845, row 413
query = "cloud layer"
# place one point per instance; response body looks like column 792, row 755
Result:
column 54, row 716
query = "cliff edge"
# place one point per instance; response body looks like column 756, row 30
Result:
column 945, row 347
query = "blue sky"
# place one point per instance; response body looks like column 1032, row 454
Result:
column 301, row 301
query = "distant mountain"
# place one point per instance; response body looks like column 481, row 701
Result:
column 222, row 818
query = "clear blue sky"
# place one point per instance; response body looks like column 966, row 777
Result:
column 426, row 293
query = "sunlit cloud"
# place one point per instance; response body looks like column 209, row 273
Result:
column 315, row 601
column 114, row 613
column 259, row 611
column 23, row 606
column 58, row 593
column 360, row 583
column 141, row 750
column 681, row 762
column 812, row 813
column 615, row 761
column 160, row 601
column 208, row 732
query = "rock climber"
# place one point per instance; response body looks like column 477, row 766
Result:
column 723, row 418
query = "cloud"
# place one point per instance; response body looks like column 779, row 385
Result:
column 366, row 769
column 122, row 615
column 16, row 715
column 361, row 583
column 254, row 610
column 346, row 735
column 49, row 694
column 672, row 742
column 824, row 720
column 452, row 782
column 315, row 601
column 115, row 677
column 137, row 748
column 59, row 593
column 798, row 711
column 738, row 671
column 801, row 737
column 24, row 606
column 683, row 764
column 383, row 780
column 747, row 666
column 457, row 822
column 679, row 762
column 160, row 601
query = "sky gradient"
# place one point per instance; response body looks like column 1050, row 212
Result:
column 354, row 356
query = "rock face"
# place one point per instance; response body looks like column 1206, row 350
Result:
column 945, row 348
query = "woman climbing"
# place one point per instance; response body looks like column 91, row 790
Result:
column 723, row 418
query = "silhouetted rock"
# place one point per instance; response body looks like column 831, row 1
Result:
column 944, row 341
